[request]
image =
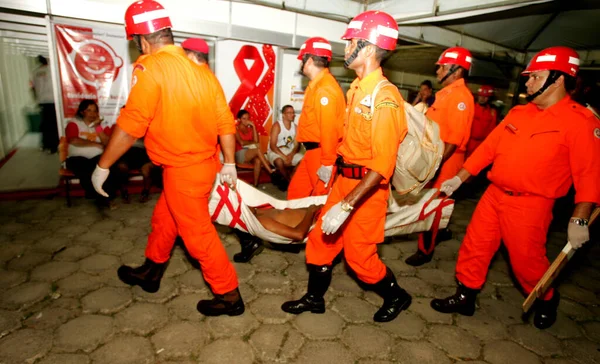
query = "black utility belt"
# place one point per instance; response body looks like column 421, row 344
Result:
column 311, row 145
column 348, row 170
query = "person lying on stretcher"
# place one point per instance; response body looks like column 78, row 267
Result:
column 290, row 223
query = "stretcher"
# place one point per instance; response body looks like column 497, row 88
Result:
column 406, row 214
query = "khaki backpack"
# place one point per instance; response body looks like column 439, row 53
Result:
column 419, row 154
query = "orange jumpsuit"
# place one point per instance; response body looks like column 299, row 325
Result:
column 484, row 122
column 536, row 155
column 453, row 110
column 321, row 121
column 370, row 141
column 181, row 109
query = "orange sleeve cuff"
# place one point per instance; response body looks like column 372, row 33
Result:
column 131, row 127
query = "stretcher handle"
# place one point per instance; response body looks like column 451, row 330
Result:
column 555, row 268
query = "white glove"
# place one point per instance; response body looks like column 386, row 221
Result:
column 449, row 186
column 578, row 235
column 324, row 173
column 334, row 218
column 229, row 175
column 98, row 178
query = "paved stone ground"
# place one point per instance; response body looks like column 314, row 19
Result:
column 62, row 302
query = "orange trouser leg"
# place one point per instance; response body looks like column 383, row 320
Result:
column 481, row 241
column 164, row 232
column 359, row 235
column 524, row 223
column 305, row 181
column 186, row 191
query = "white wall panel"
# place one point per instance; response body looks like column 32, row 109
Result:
column 36, row 6
column 310, row 26
column 261, row 17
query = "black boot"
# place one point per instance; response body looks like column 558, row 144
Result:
column 251, row 246
column 147, row 276
column 395, row 299
column 418, row 259
column 230, row 304
column 319, row 278
column 545, row 312
column 463, row 301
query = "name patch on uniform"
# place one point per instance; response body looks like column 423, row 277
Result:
column 597, row 133
column 462, row 106
column 324, row 101
column 512, row 128
column 391, row 104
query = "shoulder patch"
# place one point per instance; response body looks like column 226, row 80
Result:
column 139, row 66
column 462, row 106
column 597, row 133
column 324, row 101
column 390, row 104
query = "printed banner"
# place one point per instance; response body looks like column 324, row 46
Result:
column 94, row 64
column 247, row 73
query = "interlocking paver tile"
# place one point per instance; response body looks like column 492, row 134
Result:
column 446, row 337
column 232, row 351
column 324, row 326
column 325, row 352
column 106, row 300
column 232, row 327
column 368, row 341
column 418, row 352
column 85, row 333
column 25, row 346
column 507, row 352
column 179, row 340
column 125, row 350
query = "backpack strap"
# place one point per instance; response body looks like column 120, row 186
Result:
column 378, row 87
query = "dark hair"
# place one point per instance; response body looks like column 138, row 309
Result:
column 200, row 57
column 286, row 107
column 83, row 105
column 427, row 83
column 241, row 113
column 42, row 60
column 163, row 36
column 380, row 53
column 570, row 81
column 320, row 62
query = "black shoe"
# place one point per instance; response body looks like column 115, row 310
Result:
column 147, row 276
column 443, row 235
column 462, row 302
column 145, row 196
column 251, row 246
column 319, row 278
column 230, row 304
column 308, row 302
column 395, row 299
column 545, row 312
column 418, row 259
column 125, row 195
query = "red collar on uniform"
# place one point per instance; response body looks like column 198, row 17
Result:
column 368, row 83
column 555, row 109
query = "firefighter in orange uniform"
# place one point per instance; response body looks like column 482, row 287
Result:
column 354, row 214
column 484, row 121
column 181, row 109
column 321, row 122
column 453, row 110
column 538, row 152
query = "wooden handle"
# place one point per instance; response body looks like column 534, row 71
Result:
column 555, row 268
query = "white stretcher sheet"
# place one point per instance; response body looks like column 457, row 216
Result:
column 407, row 215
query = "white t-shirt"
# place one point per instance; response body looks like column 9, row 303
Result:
column 286, row 138
column 42, row 83
column 87, row 133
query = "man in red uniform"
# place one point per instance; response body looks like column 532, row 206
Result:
column 321, row 122
column 538, row 152
column 453, row 110
column 484, row 120
column 367, row 156
column 180, row 108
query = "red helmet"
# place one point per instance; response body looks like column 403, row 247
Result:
column 456, row 55
column 196, row 45
column 145, row 17
column 562, row 59
column 485, row 90
column 374, row 26
column 316, row 46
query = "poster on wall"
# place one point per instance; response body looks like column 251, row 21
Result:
column 247, row 73
column 93, row 64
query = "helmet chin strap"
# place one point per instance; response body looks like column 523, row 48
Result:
column 453, row 69
column 552, row 77
column 359, row 46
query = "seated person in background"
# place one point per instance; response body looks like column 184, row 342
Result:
column 137, row 158
column 196, row 49
column 425, row 97
column 247, row 146
column 283, row 147
column 86, row 140
column 290, row 223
